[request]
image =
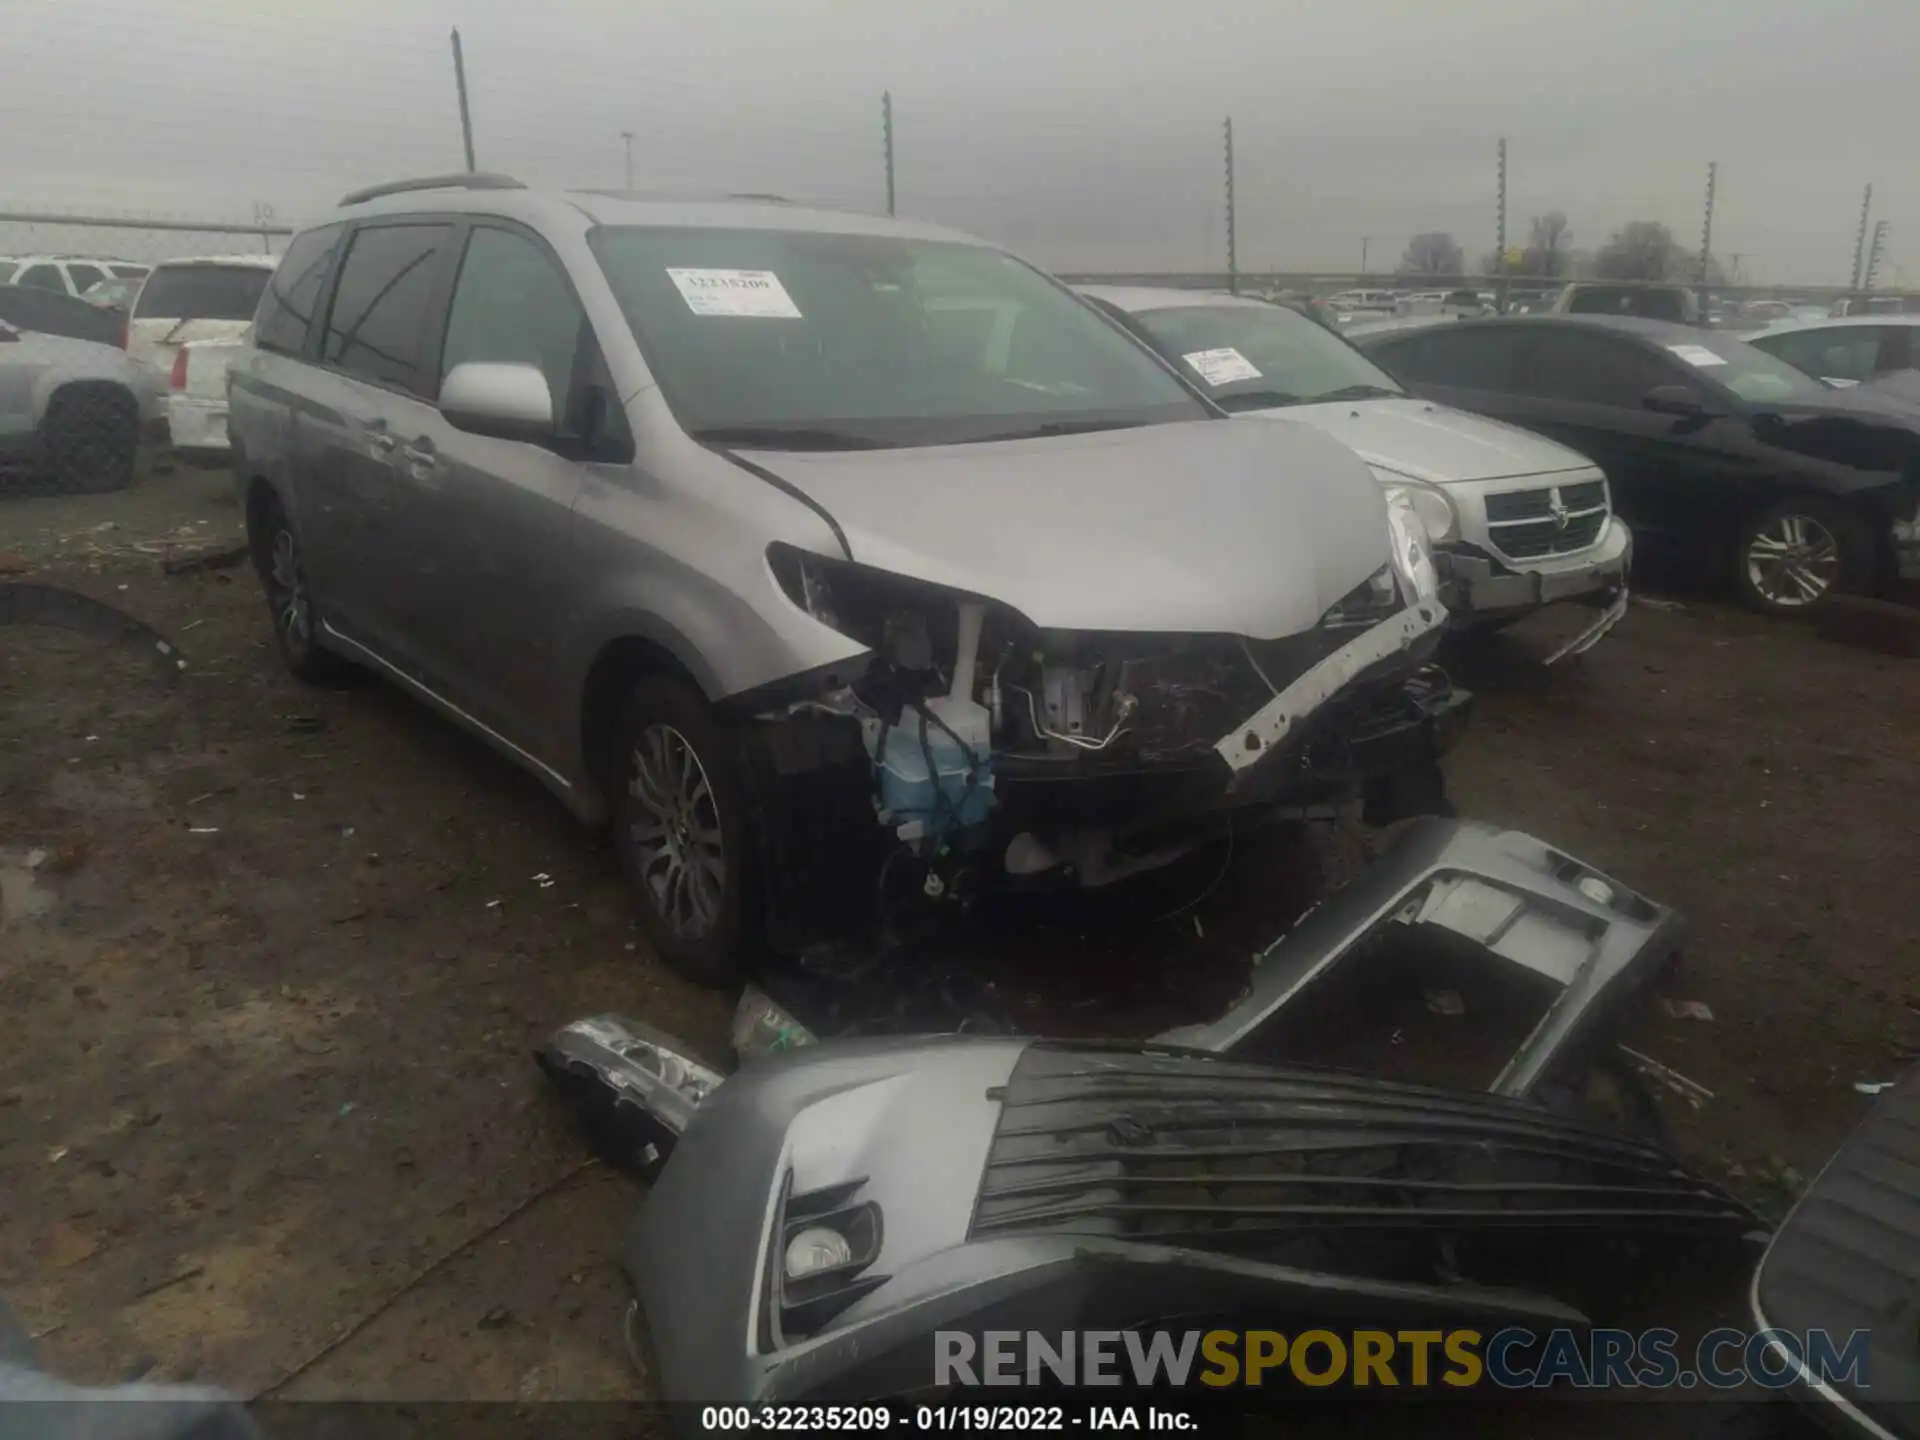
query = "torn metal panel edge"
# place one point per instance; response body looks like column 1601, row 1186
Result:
column 1270, row 724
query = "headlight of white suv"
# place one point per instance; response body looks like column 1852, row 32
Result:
column 1412, row 556
column 1429, row 502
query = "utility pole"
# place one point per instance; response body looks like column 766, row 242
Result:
column 1233, row 262
column 1860, row 240
column 1500, row 237
column 466, row 116
column 1873, row 255
column 886, row 139
column 627, row 137
column 1365, row 240
column 1706, row 229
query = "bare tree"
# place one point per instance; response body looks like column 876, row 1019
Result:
column 1640, row 250
column 1433, row 252
column 1547, row 244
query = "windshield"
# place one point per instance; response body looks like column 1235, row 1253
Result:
column 1255, row 357
column 202, row 292
column 1747, row 370
column 838, row 341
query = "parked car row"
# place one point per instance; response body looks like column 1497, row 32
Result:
column 167, row 330
column 66, row 274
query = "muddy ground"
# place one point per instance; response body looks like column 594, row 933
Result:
column 272, row 961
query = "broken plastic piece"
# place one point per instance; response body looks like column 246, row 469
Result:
column 1685, row 1010
column 635, row 1089
column 762, row 1027
column 1520, row 903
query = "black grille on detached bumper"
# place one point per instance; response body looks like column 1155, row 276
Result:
column 1555, row 520
column 1176, row 1149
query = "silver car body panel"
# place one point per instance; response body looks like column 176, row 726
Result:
column 1195, row 527
column 1519, row 899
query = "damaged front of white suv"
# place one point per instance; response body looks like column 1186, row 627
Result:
column 1094, row 654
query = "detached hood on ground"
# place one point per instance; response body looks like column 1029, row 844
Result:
column 1209, row 527
column 1434, row 443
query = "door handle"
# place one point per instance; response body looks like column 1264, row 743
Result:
column 414, row 455
column 382, row 443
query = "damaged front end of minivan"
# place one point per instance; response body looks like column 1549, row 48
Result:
column 983, row 749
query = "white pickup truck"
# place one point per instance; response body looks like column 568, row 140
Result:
column 197, row 400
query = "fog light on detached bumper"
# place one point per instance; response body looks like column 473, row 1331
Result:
column 817, row 1249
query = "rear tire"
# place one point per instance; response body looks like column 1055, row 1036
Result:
column 1790, row 557
column 680, row 825
column 283, row 576
column 91, row 440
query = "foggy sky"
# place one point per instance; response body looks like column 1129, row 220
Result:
column 1086, row 135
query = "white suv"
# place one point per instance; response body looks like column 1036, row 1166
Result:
column 68, row 274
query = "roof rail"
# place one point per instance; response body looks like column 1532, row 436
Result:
column 688, row 196
column 481, row 181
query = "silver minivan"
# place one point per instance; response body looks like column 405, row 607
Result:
column 835, row 559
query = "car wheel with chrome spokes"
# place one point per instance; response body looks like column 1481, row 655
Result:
column 283, row 575
column 1795, row 554
column 681, row 832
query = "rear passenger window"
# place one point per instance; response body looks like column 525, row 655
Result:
column 378, row 324
column 41, row 277
column 286, row 309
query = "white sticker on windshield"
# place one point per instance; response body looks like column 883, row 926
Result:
column 756, row 293
column 1697, row 355
column 1221, row 367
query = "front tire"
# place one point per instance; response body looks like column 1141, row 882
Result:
column 283, row 576
column 681, row 828
column 1795, row 554
column 91, row 439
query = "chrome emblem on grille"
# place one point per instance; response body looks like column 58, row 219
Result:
column 1557, row 508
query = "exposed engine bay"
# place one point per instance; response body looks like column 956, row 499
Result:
column 971, row 735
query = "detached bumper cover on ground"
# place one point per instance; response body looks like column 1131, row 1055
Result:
column 973, row 1184
column 989, row 1185
column 1848, row 1259
column 1524, row 903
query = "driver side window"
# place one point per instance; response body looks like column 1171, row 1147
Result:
column 513, row 305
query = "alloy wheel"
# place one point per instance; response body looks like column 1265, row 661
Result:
column 677, row 844
column 1793, row 561
column 292, row 615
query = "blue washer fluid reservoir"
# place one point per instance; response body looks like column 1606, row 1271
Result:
column 923, row 801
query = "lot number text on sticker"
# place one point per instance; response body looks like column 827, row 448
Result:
column 1697, row 355
column 756, row 293
column 1221, row 367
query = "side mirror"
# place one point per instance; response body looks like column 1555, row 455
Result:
column 1674, row 400
column 507, row 402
